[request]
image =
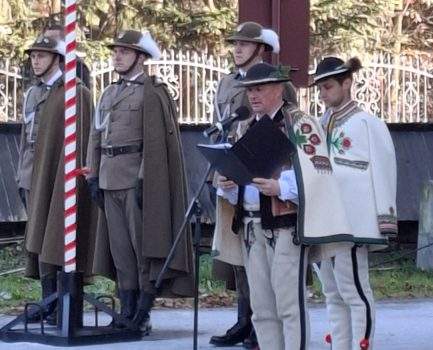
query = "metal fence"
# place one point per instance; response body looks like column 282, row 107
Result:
column 398, row 90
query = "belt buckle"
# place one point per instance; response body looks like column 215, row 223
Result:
column 250, row 214
column 109, row 152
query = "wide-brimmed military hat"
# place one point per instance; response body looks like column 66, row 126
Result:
column 255, row 33
column 333, row 66
column 265, row 73
column 138, row 41
column 46, row 44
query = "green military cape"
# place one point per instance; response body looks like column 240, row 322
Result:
column 44, row 237
column 164, row 198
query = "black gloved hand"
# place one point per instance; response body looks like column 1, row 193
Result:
column 139, row 193
column 95, row 192
column 22, row 194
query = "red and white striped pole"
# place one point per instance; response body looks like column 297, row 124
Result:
column 70, row 137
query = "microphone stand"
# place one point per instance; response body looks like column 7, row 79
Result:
column 194, row 208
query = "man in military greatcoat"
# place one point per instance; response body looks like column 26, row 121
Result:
column 251, row 42
column 138, row 180
column 41, row 169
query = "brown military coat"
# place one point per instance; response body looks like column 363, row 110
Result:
column 44, row 231
column 164, row 183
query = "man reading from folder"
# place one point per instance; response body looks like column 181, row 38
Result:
column 266, row 209
column 272, row 225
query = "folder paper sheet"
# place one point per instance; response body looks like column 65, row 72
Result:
column 259, row 153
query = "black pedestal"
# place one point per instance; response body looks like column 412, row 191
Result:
column 69, row 330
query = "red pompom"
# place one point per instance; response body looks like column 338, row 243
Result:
column 364, row 344
column 328, row 338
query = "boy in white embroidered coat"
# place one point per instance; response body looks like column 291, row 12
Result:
column 363, row 158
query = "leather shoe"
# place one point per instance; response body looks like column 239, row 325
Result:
column 236, row 334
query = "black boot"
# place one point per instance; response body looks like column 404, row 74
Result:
column 128, row 305
column 251, row 342
column 49, row 286
column 240, row 331
column 142, row 316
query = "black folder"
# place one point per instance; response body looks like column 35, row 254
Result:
column 259, row 153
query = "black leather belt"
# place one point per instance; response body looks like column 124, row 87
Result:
column 251, row 214
column 111, row 151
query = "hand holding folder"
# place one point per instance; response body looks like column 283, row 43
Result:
column 259, row 153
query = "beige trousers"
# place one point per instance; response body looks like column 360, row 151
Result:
column 276, row 270
column 349, row 298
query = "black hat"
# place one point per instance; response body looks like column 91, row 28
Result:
column 332, row 66
column 265, row 73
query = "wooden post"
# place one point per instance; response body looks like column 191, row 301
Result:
column 291, row 20
column 424, row 258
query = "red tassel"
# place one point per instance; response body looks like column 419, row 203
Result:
column 328, row 338
column 364, row 344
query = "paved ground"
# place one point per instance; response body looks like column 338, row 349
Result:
column 405, row 325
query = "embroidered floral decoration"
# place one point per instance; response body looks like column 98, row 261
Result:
column 314, row 139
column 305, row 142
column 306, row 128
column 309, row 149
column 341, row 143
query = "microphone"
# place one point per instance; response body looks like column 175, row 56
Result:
column 241, row 113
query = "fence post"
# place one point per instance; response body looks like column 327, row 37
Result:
column 424, row 258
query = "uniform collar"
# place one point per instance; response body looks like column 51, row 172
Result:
column 57, row 75
column 241, row 73
column 135, row 76
column 136, row 79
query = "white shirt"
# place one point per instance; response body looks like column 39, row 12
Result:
column 287, row 182
column 134, row 77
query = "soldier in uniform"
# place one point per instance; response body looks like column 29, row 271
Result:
column 250, row 44
column 277, row 220
column 44, row 63
column 56, row 31
column 41, row 169
column 137, row 178
column 363, row 157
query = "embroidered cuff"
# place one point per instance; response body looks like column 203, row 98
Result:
column 387, row 224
